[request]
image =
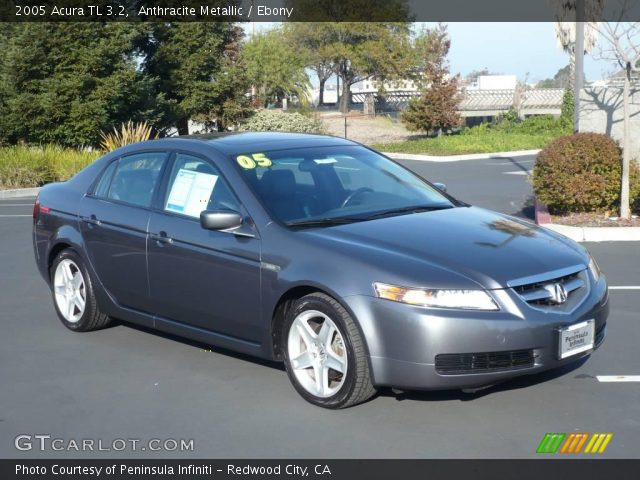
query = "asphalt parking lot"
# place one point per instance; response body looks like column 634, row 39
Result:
column 125, row 382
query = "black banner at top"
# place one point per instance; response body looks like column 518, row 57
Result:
column 319, row 10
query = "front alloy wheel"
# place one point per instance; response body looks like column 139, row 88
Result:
column 324, row 353
column 317, row 353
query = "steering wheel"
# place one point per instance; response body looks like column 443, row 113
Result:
column 354, row 194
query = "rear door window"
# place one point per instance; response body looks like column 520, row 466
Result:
column 135, row 178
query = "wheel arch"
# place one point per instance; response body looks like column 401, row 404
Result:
column 283, row 305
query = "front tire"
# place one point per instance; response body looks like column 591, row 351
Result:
column 73, row 294
column 325, row 355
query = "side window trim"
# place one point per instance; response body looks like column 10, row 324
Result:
column 96, row 183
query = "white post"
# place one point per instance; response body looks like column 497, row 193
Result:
column 579, row 63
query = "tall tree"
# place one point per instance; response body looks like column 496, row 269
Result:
column 360, row 39
column 361, row 51
column 621, row 44
column 276, row 67
column 65, row 82
column 311, row 38
column 561, row 79
column 565, row 14
column 437, row 108
column 192, row 62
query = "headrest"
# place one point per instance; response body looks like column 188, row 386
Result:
column 278, row 183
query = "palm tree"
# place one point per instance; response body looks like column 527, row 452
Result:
column 566, row 39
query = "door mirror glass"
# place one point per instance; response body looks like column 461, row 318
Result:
column 220, row 219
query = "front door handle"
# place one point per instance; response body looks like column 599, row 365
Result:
column 92, row 220
column 161, row 238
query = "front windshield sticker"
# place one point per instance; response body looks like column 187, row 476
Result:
column 321, row 161
column 254, row 160
column 190, row 192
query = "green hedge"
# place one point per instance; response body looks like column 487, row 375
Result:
column 272, row 121
column 582, row 173
column 24, row 167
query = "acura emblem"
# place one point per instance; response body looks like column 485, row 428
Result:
column 557, row 293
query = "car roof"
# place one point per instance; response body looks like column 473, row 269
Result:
column 232, row 143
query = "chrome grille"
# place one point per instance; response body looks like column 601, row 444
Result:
column 542, row 294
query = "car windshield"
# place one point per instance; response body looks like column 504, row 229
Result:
column 331, row 185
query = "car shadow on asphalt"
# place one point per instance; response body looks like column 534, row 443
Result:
column 204, row 346
column 525, row 381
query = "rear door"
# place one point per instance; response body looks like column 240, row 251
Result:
column 113, row 220
column 204, row 278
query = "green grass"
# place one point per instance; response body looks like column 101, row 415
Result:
column 506, row 135
column 24, row 167
column 488, row 142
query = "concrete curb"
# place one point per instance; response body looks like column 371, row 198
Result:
column 597, row 234
column 586, row 234
column 457, row 158
column 19, row 192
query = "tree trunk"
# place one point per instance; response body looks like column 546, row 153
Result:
column 183, row 126
column 321, row 92
column 626, row 147
column 345, row 97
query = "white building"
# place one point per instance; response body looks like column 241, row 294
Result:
column 494, row 82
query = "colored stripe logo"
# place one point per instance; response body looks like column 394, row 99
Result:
column 574, row 443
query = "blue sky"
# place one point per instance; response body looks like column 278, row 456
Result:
column 515, row 48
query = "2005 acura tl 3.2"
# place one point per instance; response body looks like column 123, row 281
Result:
column 321, row 253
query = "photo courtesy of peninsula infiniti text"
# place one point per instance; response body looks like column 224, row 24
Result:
column 318, row 252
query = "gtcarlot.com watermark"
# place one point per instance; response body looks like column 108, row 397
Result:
column 49, row 443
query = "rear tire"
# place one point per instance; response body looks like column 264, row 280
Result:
column 325, row 355
column 73, row 295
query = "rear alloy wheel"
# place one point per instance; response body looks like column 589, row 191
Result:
column 73, row 294
column 324, row 353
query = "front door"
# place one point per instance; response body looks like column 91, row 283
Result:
column 207, row 279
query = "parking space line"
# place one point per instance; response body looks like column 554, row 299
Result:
column 618, row 378
column 625, row 287
column 16, row 205
column 16, row 216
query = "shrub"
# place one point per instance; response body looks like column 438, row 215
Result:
column 270, row 121
column 23, row 167
column 582, row 173
column 129, row 133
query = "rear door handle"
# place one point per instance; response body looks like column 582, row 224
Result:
column 161, row 238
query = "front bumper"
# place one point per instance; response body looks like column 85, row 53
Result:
column 403, row 340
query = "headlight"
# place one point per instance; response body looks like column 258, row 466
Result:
column 595, row 270
column 464, row 299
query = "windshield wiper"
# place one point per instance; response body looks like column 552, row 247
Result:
column 403, row 210
column 324, row 222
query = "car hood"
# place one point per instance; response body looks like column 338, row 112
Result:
column 488, row 248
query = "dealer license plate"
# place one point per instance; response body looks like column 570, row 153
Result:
column 576, row 338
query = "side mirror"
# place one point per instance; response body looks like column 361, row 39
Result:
column 440, row 186
column 220, row 219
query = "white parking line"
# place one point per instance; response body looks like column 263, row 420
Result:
column 16, row 205
column 518, row 172
column 618, row 378
column 625, row 287
column 16, row 215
